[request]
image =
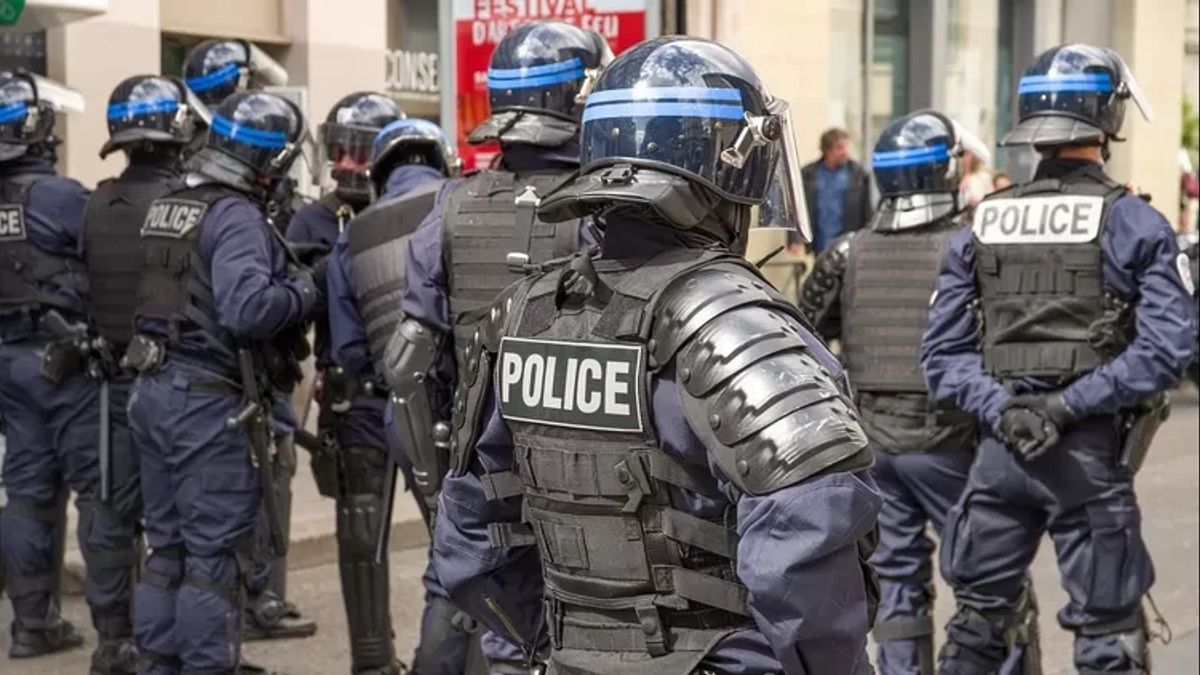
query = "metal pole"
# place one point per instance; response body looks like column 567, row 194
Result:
column 868, row 56
column 448, row 75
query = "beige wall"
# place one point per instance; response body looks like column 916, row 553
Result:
column 787, row 42
column 1149, row 34
column 337, row 48
column 92, row 56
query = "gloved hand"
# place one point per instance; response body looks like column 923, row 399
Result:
column 305, row 283
column 1033, row 423
column 308, row 253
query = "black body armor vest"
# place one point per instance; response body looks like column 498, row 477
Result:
column 176, row 285
column 112, row 226
column 624, row 571
column 378, row 239
column 482, row 225
column 25, row 269
column 888, row 282
column 885, row 302
column 1039, row 265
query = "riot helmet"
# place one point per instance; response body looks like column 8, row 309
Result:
column 684, row 129
column 254, row 139
column 411, row 141
column 28, row 103
column 918, row 166
column 1073, row 95
column 146, row 110
column 214, row 69
column 347, row 138
column 538, row 78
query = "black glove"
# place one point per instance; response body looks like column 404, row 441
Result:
column 308, row 253
column 311, row 294
column 1033, row 423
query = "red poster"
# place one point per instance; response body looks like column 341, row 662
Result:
column 480, row 24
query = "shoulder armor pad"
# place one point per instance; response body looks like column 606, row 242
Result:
column 475, row 375
column 697, row 297
column 769, row 413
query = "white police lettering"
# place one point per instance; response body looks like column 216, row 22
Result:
column 173, row 218
column 1067, row 219
column 572, row 384
column 12, row 223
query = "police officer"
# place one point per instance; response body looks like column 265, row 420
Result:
column 870, row 290
column 1058, row 320
column 214, row 70
column 409, row 164
column 457, row 261
column 678, row 445
column 150, row 119
column 47, row 400
column 219, row 317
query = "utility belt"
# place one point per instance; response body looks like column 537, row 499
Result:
column 339, row 389
column 72, row 349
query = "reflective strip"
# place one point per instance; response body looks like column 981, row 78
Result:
column 13, row 111
column 655, row 109
column 250, row 136
column 1095, row 82
column 663, row 93
column 897, row 158
column 118, row 111
column 535, row 76
column 214, row 79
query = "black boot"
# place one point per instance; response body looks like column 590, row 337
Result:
column 114, row 657
column 270, row 618
column 31, row 638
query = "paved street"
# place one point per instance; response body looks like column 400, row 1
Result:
column 1167, row 487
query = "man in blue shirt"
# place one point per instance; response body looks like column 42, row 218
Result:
column 838, row 191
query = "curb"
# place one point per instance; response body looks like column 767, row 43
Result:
column 303, row 553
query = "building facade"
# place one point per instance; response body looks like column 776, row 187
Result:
column 849, row 63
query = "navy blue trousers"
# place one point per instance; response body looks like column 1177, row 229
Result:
column 52, row 436
column 1080, row 495
column 201, row 495
column 919, row 490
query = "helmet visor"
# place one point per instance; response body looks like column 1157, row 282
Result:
column 60, row 96
column 785, row 206
column 266, row 68
column 347, row 146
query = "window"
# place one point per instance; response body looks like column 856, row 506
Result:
column 890, row 67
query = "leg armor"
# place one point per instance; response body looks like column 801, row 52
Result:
column 269, row 615
column 1123, row 643
column 364, row 584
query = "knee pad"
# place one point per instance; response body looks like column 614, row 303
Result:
column 359, row 518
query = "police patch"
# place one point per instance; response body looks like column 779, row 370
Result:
column 173, row 218
column 578, row 385
column 12, row 222
column 1184, row 265
column 1067, row 219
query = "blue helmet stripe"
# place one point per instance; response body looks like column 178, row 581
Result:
column 408, row 123
column 897, row 158
column 13, row 111
column 540, row 81
column 661, row 93
column 259, row 138
column 1093, row 82
column 663, row 109
column 214, row 79
column 535, row 71
column 118, row 111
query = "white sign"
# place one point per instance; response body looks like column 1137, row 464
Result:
column 1038, row 220
column 412, row 72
